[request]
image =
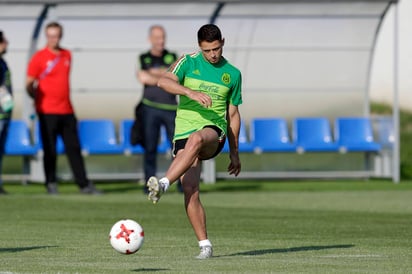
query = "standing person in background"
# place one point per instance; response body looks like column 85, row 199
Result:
column 158, row 106
column 210, row 91
column 6, row 103
column 48, row 83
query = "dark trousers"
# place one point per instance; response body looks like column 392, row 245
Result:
column 52, row 125
column 4, row 128
column 153, row 120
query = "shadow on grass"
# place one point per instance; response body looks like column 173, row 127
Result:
column 285, row 250
column 20, row 249
column 122, row 189
column 150, row 269
column 231, row 187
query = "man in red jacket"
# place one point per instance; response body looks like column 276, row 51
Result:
column 48, row 84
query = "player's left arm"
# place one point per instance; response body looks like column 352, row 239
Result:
column 233, row 128
column 170, row 83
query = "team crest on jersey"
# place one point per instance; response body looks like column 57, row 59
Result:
column 226, row 78
column 168, row 59
column 147, row 60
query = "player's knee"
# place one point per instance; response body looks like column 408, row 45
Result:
column 195, row 142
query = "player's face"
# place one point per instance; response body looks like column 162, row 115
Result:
column 53, row 37
column 3, row 46
column 157, row 39
column 212, row 51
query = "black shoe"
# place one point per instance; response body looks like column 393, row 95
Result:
column 52, row 188
column 90, row 189
column 2, row 191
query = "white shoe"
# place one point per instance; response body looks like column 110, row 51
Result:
column 206, row 252
column 155, row 189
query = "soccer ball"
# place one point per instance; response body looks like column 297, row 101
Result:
column 126, row 236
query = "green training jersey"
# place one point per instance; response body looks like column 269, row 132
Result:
column 221, row 81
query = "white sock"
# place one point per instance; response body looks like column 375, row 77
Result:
column 205, row 243
column 165, row 183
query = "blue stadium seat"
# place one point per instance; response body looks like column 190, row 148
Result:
column 355, row 134
column 124, row 134
column 271, row 135
column 18, row 140
column 38, row 142
column 313, row 134
column 244, row 144
column 98, row 136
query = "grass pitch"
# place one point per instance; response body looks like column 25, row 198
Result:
column 255, row 227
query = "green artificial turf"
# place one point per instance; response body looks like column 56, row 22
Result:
column 255, row 227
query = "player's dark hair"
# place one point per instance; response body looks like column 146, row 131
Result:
column 1, row 37
column 209, row 33
column 55, row 25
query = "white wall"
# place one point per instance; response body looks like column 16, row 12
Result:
column 114, row 91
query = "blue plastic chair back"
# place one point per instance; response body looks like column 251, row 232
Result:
column 18, row 140
column 98, row 137
column 355, row 134
column 271, row 134
column 313, row 134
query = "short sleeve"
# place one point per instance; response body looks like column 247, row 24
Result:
column 236, row 93
column 141, row 62
column 180, row 67
column 33, row 68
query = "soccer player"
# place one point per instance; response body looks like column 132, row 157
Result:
column 209, row 90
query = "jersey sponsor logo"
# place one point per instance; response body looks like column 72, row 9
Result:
column 226, row 78
column 208, row 88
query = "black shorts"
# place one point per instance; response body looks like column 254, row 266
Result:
column 181, row 143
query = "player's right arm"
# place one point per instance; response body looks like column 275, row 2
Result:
column 33, row 70
column 150, row 77
column 31, row 86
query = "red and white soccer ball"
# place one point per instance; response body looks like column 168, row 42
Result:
column 126, row 236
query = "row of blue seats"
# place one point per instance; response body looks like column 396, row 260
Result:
column 309, row 134
column 97, row 136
